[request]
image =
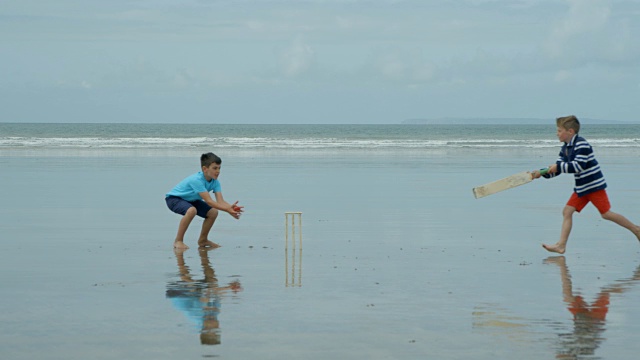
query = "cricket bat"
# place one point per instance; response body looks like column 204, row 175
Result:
column 505, row 184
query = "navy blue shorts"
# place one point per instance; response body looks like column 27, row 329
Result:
column 180, row 206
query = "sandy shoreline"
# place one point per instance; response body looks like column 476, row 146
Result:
column 399, row 260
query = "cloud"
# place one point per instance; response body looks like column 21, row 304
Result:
column 399, row 47
column 590, row 37
column 297, row 59
column 400, row 68
column 583, row 21
column 592, row 32
column 561, row 76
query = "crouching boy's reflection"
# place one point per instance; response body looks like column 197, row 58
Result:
column 200, row 299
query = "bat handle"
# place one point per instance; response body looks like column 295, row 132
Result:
column 542, row 172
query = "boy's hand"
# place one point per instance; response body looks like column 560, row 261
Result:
column 235, row 286
column 553, row 169
column 535, row 174
column 236, row 210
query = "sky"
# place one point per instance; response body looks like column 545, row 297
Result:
column 317, row 61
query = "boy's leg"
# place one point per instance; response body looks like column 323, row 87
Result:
column 182, row 228
column 622, row 221
column 567, row 223
column 600, row 200
column 188, row 212
column 565, row 278
column 203, row 240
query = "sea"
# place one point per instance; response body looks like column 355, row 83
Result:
column 247, row 137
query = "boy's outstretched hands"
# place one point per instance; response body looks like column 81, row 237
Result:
column 236, row 210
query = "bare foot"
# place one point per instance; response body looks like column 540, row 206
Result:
column 637, row 233
column 554, row 248
column 207, row 244
column 180, row 245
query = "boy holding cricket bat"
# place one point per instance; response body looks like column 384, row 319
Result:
column 577, row 158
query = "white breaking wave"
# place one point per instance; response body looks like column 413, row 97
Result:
column 290, row 143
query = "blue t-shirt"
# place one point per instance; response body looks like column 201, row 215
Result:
column 196, row 310
column 191, row 187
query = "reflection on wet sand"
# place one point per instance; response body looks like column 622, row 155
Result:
column 491, row 319
column 200, row 299
column 293, row 235
column 588, row 319
column 293, row 267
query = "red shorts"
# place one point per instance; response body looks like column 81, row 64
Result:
column 599, row 199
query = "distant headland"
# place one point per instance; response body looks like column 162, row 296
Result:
column 504, row 121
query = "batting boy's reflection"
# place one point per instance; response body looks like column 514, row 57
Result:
column 588, row 319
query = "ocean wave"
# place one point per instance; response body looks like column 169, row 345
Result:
column 290, row 143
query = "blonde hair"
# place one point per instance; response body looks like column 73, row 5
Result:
column 569, row 122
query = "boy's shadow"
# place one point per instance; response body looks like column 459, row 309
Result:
column 200, row 299
column 588, row 319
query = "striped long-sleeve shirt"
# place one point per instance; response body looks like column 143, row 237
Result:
column 577, row 158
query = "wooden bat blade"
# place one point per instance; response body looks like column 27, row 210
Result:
column 502, row 184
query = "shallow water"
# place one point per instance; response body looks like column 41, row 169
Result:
column 399, row 261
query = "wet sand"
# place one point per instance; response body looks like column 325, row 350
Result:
column 399, row 261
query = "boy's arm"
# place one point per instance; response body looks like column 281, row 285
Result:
column 580, row 162
column 554, row 169
column 547, row 173
column 220, row 204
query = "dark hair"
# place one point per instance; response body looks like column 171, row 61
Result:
column 209, row 158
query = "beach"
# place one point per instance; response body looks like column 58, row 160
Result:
column 398, row 259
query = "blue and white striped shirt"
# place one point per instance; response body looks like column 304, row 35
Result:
column 577, row 158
